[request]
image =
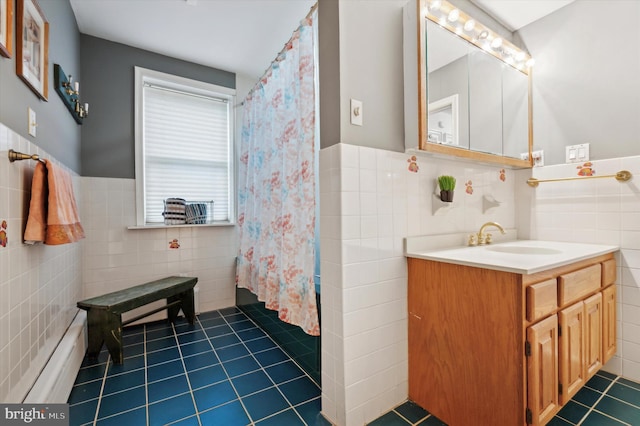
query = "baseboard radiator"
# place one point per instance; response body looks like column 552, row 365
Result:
column 54, row 383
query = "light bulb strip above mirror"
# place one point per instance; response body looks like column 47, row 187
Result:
column 464, row 26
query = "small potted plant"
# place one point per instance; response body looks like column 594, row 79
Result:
column 447, row 185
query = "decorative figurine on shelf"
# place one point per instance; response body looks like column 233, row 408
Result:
column 447, row 184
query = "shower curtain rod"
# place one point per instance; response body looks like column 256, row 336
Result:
column 278, row 56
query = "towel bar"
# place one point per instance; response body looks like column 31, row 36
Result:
column 621, row 176
column 18, row 156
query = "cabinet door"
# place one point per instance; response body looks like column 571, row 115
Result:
column 608, row 323
column 593, row 334
column 572, row 350
column 542, row 370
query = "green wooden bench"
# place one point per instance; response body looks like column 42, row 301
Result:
column 104, row 313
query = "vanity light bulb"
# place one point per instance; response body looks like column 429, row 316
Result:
column 520, row 56
column 496, row 43
column 531, row 62
column 435, row 5
column 483, row 34
column 469, row 25
column 454, row 15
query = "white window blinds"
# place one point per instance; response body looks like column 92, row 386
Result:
column 187, row 150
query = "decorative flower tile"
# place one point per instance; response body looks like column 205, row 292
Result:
column 586, row 169
column 469, row 186
column 174, row 244
column 413, row 164
column 503, row 175
column 3, row 234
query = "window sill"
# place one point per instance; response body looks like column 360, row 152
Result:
column 188, row 225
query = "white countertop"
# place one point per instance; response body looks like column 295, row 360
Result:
column 519, row 256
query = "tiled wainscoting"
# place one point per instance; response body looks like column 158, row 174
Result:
column 39, row 284
column 601, row 211
column 115, row 257
column 370, row 199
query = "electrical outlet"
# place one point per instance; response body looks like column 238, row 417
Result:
column 538, row 158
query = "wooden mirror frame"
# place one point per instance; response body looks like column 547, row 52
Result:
column 423, row 109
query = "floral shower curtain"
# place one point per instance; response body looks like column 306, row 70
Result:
column 276, row 196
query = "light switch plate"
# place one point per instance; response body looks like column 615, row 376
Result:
column 32, row 123
column 356, row 112
column 577, row 153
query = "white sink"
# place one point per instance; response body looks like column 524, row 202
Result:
column 518, row 256
column 514, row 249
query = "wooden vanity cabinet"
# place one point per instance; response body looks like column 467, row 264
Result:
column 492, row 347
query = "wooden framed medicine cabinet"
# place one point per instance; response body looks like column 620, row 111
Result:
column 447, row 54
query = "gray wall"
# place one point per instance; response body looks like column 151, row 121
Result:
column 369, row 58
column 361, row 58
column 108, row 140
column 329, row 71
column 57, row 132
column 586, row 83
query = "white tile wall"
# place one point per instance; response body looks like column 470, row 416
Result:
column 39, row 285
column 116, row 257
column 370, row 201
column 597, row 211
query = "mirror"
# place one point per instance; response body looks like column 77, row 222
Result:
column 476, row 89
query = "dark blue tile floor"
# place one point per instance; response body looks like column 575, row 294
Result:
column 606, row 400
column 226, row 371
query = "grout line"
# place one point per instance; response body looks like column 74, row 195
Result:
column 146, row 370
column 121, row 412
column 104, row 380
column 421, row 419
column 592, row 407
column 611, row 417
column 268, row 336
column 629, row 387
column 224, row 369
column 186, row 374
column 262, row 368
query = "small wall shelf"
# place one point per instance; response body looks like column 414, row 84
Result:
column 488, row 203
column 69, row 94
column 438, row 205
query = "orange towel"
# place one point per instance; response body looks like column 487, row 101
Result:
column 62, row 224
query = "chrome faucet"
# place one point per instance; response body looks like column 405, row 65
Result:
column 481, row 238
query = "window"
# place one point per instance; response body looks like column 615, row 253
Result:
column 184, row 145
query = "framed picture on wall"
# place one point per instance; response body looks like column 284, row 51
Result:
column 6, row 27
column 32, row 47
